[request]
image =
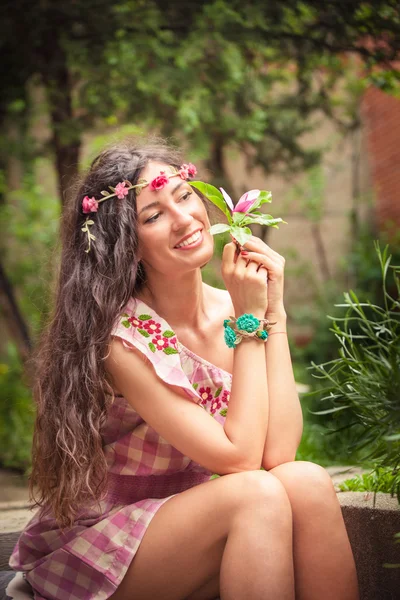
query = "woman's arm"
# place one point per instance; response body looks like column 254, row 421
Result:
column 285, row 424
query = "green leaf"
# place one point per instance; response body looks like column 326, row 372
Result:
column 168, row 333
column 223, row 412
column 126, row 324
column 170, row 350
column 264, row 197
column 104, row 193
column 241, row 234
column 214, row 195
column 195, row 385
column 144, row 332
column 219, row 228
column 152, row 347
column 144, row 317
column 217, row 393
column 125, row 315
column 238, row 217
column 264, row 220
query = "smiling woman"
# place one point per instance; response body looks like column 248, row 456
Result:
column 148, row 381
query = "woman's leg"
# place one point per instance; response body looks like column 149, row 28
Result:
column 323, row 560
column 237, row 528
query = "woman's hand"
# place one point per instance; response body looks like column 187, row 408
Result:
column 245, row 281
column 259, row 252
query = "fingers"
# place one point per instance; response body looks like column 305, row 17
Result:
column 268, row 262
column 257, row 245
column 228, row 258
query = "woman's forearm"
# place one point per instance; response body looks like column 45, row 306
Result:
column 247, row 417
column 285, row 422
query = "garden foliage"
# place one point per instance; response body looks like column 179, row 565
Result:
column 365, row 378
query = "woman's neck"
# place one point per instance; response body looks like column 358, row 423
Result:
column 183, row 302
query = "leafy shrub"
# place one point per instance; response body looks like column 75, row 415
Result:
column 365, row 379
column 16, row 413
column 381, row 479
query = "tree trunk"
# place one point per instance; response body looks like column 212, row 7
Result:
column 66, row 128
column 215, row 163
column 321, row 254
column 13, row 318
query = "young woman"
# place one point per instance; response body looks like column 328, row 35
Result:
column 140, row 400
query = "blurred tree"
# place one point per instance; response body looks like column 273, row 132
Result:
column 216, row 73
column 224, row 74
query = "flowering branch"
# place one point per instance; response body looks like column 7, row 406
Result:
column 240, row 216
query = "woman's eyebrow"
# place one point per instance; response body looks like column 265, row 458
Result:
column 156, row 202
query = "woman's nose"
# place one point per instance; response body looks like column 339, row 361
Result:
column 181, row 218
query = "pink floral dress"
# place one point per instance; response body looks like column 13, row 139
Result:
column 90, row 560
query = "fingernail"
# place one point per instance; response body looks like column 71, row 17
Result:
column 244, row 253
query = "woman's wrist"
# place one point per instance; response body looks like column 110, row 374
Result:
column 279, row 320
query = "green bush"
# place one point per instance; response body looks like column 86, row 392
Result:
column 365, row 380
column 16, row 413
column 381, row 479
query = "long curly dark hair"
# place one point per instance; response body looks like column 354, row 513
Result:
column 71, row 390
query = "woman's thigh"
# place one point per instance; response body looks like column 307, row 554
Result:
column 181, row 552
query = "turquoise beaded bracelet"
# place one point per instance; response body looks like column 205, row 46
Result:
column 247, row 325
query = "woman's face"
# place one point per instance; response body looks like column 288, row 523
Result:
column 167, row 216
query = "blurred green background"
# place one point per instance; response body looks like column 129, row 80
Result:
column 260, row 94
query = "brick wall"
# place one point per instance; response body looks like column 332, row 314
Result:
column 381, row 116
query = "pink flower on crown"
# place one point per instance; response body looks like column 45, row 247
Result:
column 183, row 172
column 188, row 168
column 89, row 205
column 192, row 169
column 121, row 190
column 159, row 182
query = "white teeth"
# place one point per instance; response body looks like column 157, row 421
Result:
column 193, row 238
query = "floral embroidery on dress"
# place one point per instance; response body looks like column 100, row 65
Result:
column 148, row 327
column 224, row 400
column 205, row 393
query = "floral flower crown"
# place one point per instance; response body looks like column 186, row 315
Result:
column 91, row 205
column 246, row 212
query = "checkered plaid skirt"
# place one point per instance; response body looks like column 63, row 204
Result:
column 90, row 560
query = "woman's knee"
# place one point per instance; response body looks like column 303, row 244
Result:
column 259, row 491
column 306, row 481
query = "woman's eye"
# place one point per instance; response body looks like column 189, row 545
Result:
column 155, row 217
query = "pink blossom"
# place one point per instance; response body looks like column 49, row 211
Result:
column 246, row 201
column 205, row 394
column 191, row 169
column 227, row 198
column 183, row 172
column 121, row 190
column 160, row 342
column 225, row 396
column 159, row 182
column 89, row 205
column 135, row 322
column 152, row 326
column 215, row 405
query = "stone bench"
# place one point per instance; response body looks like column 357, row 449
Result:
column 371, row 532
